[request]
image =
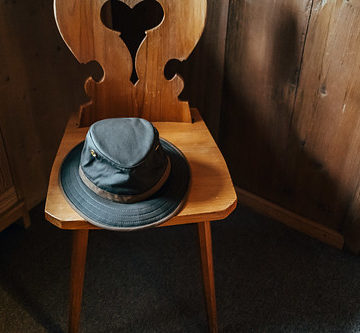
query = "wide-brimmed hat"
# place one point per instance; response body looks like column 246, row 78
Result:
column 124, row 177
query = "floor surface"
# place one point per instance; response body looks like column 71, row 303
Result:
column 269, row 278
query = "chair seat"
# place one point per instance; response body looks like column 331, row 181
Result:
column 211, row 195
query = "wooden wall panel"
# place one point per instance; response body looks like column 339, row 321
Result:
column 263, row 59
column 327, row 119
column 291, row 121
column 41, row 83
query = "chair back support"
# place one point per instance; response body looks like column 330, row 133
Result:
column 129, row 89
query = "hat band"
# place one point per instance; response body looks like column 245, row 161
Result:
column 126, row 198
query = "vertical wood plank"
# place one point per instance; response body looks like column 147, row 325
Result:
column 327, row 120
column 263, row 60
column 291, row 126
column 40, row 85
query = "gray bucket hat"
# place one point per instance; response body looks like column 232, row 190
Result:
column 124, row 177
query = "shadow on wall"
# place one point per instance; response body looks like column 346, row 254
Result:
column 258, row 137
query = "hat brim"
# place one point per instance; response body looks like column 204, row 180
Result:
column 107, row 214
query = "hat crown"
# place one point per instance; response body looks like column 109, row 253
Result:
column 122, row 159
column 124, row 141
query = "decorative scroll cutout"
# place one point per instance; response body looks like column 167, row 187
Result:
column 132, row 23
column 153, row 97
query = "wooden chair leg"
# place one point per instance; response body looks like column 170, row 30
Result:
column 204, row 229
column 78, row 260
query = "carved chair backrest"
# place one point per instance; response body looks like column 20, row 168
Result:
column 131, row 88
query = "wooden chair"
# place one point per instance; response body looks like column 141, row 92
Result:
column 151, row 96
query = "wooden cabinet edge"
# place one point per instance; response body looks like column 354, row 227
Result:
column 13, row 214
column 12, row 205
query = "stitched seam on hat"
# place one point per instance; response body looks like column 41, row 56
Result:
column 94, row 212
column 124, row 210
column 112, row 208
column 126, row 198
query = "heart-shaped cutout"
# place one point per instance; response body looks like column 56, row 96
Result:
column 132, row 23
